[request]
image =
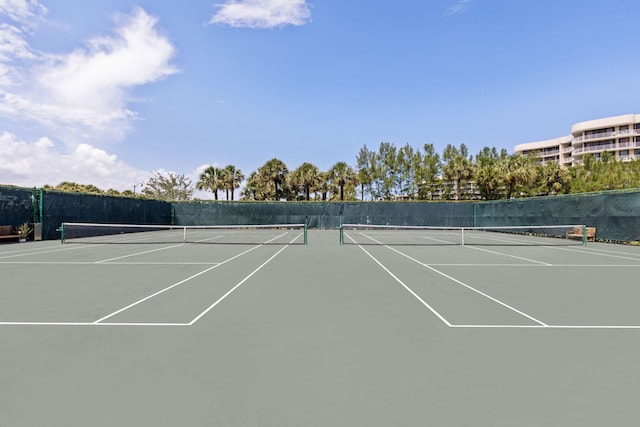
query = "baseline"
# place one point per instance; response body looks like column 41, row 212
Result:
column 546, row 326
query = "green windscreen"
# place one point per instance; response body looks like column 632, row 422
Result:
column 615, row 214
column 18, row 206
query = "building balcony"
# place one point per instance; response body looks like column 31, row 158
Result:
column 547, row 153
column 607, row 135
column 595, row 148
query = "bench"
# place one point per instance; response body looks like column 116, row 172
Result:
column 578, row 232
column 7, row 233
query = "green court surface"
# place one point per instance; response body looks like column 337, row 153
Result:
column 318, row 335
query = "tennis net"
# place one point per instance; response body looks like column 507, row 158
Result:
column 547, row 235
column 272, row 234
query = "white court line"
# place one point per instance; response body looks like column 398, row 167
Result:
column 507, row 255
column 45, row 252
column 531, row 265
column 199, row 316
column 179, row 283
column 209, row 238
column 597, row 265
column 48, row 262
column 546, row 326
column 540, row 324
column 465, row 285
column 87, row 324
column 158, row 263
column 635, row 255
column 438, row 315
column 435, row 240
column 100, row 323
column 212, row 263
column 131, row 324
column 519, row 241
column 490, row 265
column 139, row 253
column 591, row 252
column 105, row 263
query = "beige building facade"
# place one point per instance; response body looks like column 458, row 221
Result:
column 618, row 135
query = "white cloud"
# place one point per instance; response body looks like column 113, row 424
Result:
column 13, row 44
column 84, row 94
column 22, row 11
column 38, row 163
column 20, row 16
column 262, row 13
column 460, row 7
column 79, row 99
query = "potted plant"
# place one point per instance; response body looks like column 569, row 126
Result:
column 23, row 231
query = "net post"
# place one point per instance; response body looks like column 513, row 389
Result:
column 61, row 233
column 41, row 208
column 34, row 204
column 462, row 236
column 341, row 232
column 475, row 215
column 305, row 230
column 184, row 234
column 584, row 235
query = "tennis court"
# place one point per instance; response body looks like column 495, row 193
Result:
column 319, row 334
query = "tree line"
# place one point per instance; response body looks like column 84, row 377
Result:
column 398, row 173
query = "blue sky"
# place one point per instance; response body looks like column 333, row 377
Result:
column 108, row 92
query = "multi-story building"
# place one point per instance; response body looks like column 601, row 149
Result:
column 618, row 135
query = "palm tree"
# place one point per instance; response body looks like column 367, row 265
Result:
column 211, row 179
column 488, row 172
column 232, row 179
column 457, row 167
column 323, row 187
column 340, row 175
column 553, row 179
column 276, row 172
column 488, row 181
column 306, row 178
column 517, row 170
column 253, row 190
